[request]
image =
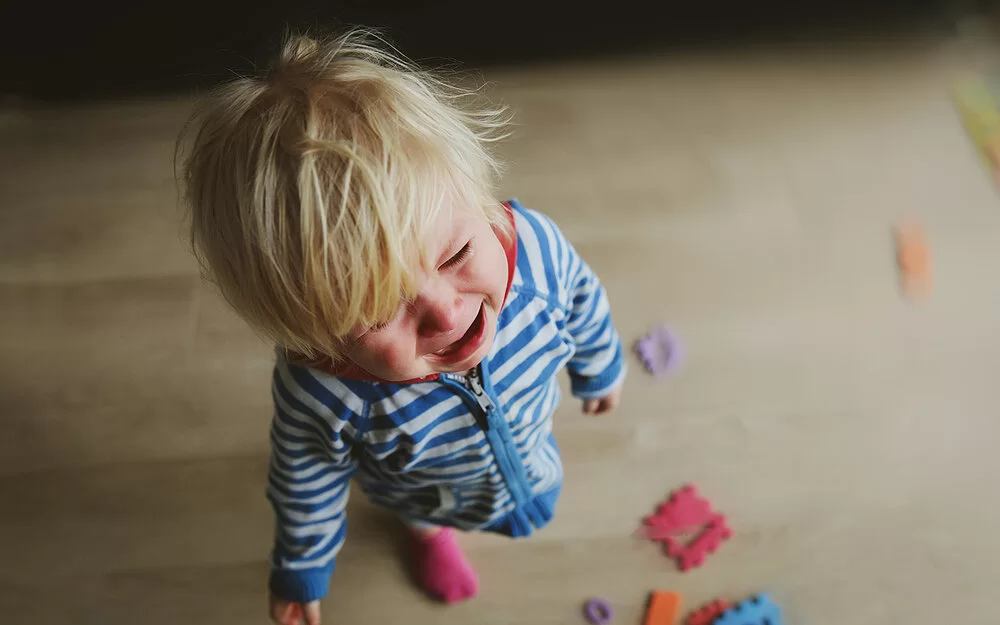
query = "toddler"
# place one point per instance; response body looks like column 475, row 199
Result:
column 344, row 205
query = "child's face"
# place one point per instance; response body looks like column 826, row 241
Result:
column 450, row 325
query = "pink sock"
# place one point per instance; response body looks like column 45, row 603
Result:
column 444, row 572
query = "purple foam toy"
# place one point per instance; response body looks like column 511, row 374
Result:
column 598, row 612
column 659, row 350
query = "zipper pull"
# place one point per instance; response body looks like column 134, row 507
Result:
column 475, row 385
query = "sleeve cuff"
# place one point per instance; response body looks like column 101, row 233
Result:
column 596, row 387
column 301, row 586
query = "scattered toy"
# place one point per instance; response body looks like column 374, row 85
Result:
column 598, row 612
column 913, row 258
column 684, row 513
column 978, row 99
column 692, row 554
column 664, row 607
column 706, row 614
column 687, row 513
column 757, row 610
column 659, row 351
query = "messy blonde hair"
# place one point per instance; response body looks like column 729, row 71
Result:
column 311, row 187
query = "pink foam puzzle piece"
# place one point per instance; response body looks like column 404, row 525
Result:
column 688, row 527
column 693, row 554
column 686, row 511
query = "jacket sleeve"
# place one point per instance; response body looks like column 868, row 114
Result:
column 597, row 366
column 315, row 426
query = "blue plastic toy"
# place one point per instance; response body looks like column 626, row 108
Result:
column 757, row 610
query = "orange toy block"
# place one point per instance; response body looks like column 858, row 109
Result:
column 913, row 255
column 664, row 608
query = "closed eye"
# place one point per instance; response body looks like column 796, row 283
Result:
column 459, row 256
column 405, row 304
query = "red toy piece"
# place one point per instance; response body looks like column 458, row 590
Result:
column 693, row 554
column 686, row 513
column 706, row 614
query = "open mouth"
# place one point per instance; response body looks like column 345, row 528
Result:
column 468, row 344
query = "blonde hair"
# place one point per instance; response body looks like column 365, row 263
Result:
column 312, row 187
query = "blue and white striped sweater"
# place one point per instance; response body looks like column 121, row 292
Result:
column 432, row 451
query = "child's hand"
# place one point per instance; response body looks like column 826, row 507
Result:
column 604, row 404
column 291, row 613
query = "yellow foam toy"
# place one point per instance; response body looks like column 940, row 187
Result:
column 979, row 106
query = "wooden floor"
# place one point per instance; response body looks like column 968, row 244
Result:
column 745, row 197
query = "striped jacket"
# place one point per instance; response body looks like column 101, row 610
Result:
column 472, row 452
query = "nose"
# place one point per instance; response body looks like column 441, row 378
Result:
column 440, row 309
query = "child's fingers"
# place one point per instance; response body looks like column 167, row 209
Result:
column 609, row 403
column 600, row 406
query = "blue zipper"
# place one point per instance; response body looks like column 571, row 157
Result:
column 497, row 433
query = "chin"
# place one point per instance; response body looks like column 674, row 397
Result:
column 466, row 364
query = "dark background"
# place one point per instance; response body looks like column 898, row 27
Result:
column 94, row 51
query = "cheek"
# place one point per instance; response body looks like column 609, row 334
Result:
column 491, row 270
column 396, row 356
column 499, row 270
column 389, row 353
